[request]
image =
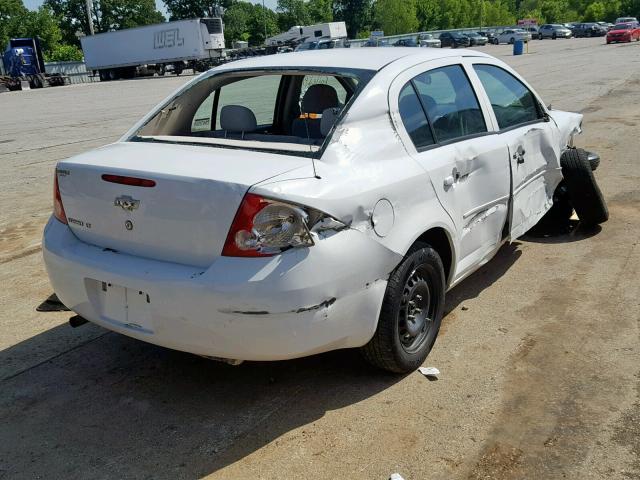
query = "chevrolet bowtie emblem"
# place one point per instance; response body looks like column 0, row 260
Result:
column 126, row 203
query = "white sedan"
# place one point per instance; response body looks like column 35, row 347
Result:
column 287, row 205
column 511, row 35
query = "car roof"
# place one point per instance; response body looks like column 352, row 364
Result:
column 367, row 58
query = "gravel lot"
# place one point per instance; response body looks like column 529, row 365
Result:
column 539, row 353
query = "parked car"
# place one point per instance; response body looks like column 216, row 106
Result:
column 377, row 43
column 490, row 36
column 406, row 42
column 510, row 35
column 475, row 39
column 589, row 30
column 323, row 44
column 554, row 31
column 322, row 200
column 606, row 25
column 623, row 32
column 620, row 20
column 428, row 40
column 533, row 31
column 454, row 40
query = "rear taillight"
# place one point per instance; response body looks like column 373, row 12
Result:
column 58, row 208
column 263, row 227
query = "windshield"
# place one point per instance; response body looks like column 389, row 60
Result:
column 622, row 26
column 283, row 110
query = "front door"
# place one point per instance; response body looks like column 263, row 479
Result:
column 532, row 141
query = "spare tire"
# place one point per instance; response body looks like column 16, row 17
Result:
column 584, row 194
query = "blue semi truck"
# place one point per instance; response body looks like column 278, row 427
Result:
column 24, row 66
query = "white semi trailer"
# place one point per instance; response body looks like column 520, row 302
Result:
column 196, row 43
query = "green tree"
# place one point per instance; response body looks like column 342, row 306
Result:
column 595, row 12
column 292, row 12
column 245, row 21
column 10, row 11
column 428, row 14
column 236, row 22
column 396, row 16
column 107, row 15
column 320, row 11
column 497, row 13
column 357, row 14
column 40, row 23
column 257, row 25
column 64, row 53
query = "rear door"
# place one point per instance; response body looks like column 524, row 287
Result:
column 443, row 127
column 532, row 141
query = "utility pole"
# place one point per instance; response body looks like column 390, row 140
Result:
column 264, row 14
column 89, row 4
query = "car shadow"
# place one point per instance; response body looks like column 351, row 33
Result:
column 484, row 277
column 119, row 408
column 571, row 231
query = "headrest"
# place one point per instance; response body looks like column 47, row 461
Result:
column 329, row 116
column 319, row 97
column 236, row 118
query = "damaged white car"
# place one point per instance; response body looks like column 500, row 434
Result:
column 293, row 204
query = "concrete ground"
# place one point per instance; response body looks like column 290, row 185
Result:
column 539, row 351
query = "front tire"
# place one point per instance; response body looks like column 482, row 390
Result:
column 411, row 312
column 584, row 193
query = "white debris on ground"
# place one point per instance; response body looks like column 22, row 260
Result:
column 429, row 371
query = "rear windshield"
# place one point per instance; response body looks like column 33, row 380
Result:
column 284, row 110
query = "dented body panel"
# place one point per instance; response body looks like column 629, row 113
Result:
column 368, row 176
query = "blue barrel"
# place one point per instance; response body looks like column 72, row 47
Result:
column 518, row 47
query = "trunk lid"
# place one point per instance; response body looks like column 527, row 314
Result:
column 183, row 218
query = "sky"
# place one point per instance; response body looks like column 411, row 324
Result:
column 34, row 4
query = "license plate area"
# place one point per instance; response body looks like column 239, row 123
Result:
column 125, row 307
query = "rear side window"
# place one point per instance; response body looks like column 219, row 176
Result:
column 512, row 102
column 413, row 117
column 450, row 103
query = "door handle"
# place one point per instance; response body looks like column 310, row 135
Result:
column 519, row 155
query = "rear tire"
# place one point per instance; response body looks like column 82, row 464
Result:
column 584, row 194
column 411, row 312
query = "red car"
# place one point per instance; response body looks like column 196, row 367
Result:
column 624, row 32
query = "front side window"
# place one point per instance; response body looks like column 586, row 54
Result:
column 450, row 103
column 512, row 102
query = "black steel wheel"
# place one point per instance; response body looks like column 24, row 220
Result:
column 411, row 312
column 417, row 311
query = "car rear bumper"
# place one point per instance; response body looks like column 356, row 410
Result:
column 299, row 303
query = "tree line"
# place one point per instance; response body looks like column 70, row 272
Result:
column 59, row 23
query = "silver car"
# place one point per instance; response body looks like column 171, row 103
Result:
column 554, row 31
column 428, row 40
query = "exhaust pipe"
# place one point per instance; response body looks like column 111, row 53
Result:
column 77, row 321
